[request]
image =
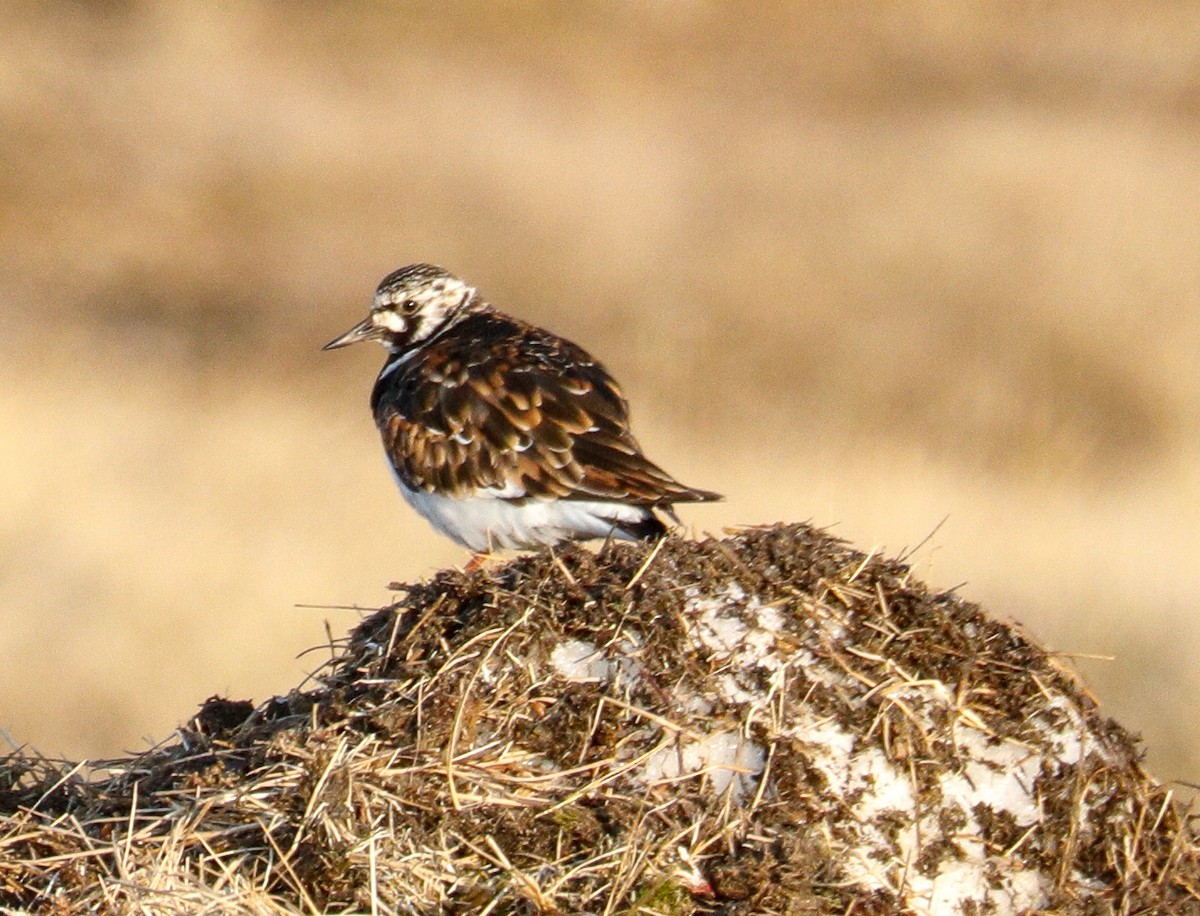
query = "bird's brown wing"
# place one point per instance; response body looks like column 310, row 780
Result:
column 524, row 414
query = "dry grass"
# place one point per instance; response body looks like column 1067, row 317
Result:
column 867, row 267
column 458, row 755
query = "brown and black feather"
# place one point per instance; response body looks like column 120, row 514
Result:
column 498, row 404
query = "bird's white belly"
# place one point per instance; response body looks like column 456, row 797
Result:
column 484, row 522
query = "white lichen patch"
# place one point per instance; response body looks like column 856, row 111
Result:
column 741, row 631
column 970, row 880
column 581, row 662
column 1002, row 774
column 889, row 832
column 729, row 761
column 716, row 624
column 895, row 819
column 891, row 827
column 915, row 833
column 1071, row 738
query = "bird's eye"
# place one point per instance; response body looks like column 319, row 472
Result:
column 409, row 306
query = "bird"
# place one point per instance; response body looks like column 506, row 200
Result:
column 501, row 434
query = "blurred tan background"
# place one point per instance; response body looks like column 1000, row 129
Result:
column 872, row 266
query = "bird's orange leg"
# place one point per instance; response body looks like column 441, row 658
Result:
column 478, row 560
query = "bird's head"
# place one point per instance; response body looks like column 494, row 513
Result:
column 411, row 305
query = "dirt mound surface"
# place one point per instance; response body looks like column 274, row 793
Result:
column 765, row 723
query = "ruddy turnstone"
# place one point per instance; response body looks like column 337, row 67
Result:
column 502, row 434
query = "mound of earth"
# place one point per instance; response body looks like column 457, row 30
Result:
column 765, row 723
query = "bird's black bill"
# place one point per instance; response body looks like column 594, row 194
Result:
column 364, row 330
